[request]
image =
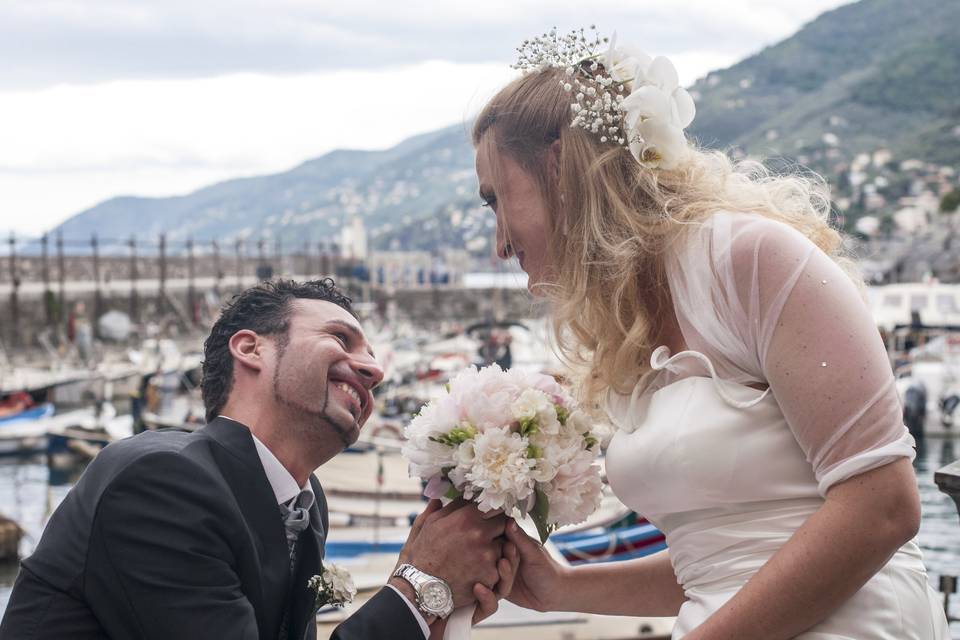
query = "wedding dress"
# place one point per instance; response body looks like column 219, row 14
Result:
column 730, row 445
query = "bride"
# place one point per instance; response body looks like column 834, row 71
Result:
column 714, row 317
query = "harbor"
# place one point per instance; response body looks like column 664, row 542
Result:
column 673, row 288
column 69, row 411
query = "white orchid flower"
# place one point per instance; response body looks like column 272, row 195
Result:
column 656, row 111
column 644, row 103
column 661, row 73
column 626, row 63
column 684, row 107
column 662, row 144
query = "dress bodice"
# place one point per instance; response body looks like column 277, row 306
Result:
column 704, row 459
column 714, row 465
column 700, row 443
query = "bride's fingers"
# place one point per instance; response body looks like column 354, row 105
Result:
column 486, row 603
column 524, row 543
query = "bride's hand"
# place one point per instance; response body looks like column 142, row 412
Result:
column 539, row 579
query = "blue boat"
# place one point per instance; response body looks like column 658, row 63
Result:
column 633, row 537
column 38, row 412
column 630, row 536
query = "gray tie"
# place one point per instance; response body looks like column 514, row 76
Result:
column 296, row 518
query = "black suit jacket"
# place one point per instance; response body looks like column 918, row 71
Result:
column 170, row 535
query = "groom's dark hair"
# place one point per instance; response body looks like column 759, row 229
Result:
column 265, row 309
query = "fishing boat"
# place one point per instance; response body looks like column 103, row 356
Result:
column 928, row 381
column 80, row 436
column 30, row 414
column 632, row 536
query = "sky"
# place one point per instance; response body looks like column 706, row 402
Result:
column 156, row 98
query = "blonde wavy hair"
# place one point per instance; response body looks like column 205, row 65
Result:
column 612, row 219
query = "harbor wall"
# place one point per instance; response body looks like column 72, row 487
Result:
column 53, row 316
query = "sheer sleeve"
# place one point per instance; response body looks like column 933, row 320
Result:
column 792, row 319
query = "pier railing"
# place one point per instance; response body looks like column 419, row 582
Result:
column 948, row 480
column 46, row 283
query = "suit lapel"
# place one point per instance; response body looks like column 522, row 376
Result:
column 244, row 473
column 309, row 563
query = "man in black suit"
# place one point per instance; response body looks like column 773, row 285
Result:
column 215, row 534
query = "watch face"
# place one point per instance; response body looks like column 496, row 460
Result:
column 435, row 596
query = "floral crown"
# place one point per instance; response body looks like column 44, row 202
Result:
column 623, row 96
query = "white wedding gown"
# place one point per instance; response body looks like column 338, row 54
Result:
column 784, row 390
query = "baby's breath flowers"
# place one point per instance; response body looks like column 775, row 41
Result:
column 621, row 96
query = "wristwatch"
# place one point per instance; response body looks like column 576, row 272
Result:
column 434, row 596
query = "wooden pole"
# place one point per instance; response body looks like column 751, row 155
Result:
column 14, row 301
column 134, row 306
column 61, row 280
column 97, row 295
column 162, row 294
column 191, row 294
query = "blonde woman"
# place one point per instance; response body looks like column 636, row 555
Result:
column 712, row 315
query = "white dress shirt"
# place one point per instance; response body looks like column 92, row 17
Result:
column 285, row 489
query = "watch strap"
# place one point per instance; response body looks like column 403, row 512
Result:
column 418, row 579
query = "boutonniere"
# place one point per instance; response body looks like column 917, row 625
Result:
column 334, row 586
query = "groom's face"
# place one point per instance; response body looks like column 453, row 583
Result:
column 324, row 370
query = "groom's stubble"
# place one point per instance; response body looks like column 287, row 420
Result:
column 310, row 422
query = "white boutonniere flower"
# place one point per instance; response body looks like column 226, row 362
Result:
column 334, row 586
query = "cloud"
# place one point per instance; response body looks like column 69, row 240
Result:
column 54, row 41
column 68, row 147
column 115, row 97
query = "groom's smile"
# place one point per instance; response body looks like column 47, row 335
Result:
column 325, row 369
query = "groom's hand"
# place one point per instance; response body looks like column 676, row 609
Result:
column 488, row 601
column 455, row 543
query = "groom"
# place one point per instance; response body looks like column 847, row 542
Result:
column 215, row 534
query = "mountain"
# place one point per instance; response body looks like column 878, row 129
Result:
column 870, row 75
column 877, row 73
column 388, row 189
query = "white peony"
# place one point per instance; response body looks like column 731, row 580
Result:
column 497, row 388
column 506, row 440
column 501, row 473
column 579, row 422
column 426, row 456
column 535, row 405
column 557, row 453
column 463, row 460
column 574, row 496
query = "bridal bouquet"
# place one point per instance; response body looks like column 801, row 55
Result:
column 509, row 440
